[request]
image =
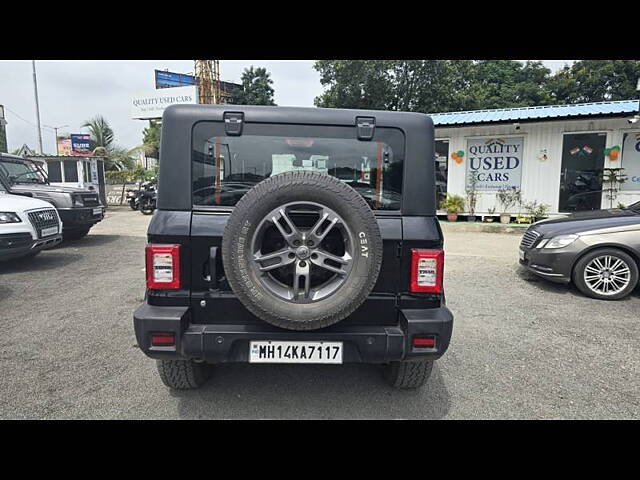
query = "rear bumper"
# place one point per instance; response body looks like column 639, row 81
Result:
column 216, row 343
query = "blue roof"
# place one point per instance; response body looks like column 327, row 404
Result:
column 622, row 107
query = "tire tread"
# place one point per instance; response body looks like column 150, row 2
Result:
column 181, row 374
column 407, row 375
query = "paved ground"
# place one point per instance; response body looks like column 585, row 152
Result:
column 521, row 348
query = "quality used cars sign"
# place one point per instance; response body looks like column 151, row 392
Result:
column 151, row 104
column 496, row 161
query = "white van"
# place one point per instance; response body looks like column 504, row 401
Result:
column 27, row 226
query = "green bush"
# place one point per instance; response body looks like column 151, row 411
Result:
column 537, row 210
column 453, row 203
column 133, row 175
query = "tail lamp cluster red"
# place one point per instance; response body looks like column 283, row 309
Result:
column 163, row 266
column 427, row 267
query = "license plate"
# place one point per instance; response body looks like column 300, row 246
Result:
column 522, row 255
column 46, row 232
column 295, row 352
column 97, row 211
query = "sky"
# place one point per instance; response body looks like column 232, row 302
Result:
column 71, row 92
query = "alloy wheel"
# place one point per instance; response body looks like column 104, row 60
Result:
column 607, row 275
column 291, row 254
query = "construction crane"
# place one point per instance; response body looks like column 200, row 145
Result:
column 210, row 89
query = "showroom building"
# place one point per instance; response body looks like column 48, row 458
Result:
column 555, row 155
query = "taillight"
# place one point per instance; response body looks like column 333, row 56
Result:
column 427, row 267
column 163, row 267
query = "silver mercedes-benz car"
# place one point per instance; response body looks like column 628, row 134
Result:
column 599, row 251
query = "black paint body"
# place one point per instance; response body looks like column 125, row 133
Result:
column 210, row 322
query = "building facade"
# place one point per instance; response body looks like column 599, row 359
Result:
column 555, row 155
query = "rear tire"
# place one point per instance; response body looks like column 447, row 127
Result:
column 183, row 374
column 146, row 208
column 407, row 375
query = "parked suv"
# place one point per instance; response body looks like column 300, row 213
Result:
column 27, row 226
column 294, row 235
column 78, row 208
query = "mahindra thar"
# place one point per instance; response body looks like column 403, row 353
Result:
column 294, row 235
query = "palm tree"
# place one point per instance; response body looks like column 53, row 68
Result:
column 103, row 138
column 101, row 133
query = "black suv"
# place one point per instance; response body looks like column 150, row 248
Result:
column 294, row 235
column 79, row 209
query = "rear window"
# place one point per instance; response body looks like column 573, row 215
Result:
column 224, row 167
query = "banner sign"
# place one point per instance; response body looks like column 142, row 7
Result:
column 631, row 161
column 64, row 146
column 152, row 103
column 496, row 161
column 80, row 145
column 166, row 79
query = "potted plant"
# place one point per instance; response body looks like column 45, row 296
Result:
column 472, row 195
column 537, row 211
column 491, row 211
column 507, row 198
column 453, row 204
column 614, row 178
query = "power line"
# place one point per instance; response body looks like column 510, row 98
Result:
column 26, row 121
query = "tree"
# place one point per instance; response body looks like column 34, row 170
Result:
column 256, row 88
column 103, row 141
column 151, row 139
column 596, row 81
column 432, row 86
column 508, row 83
column 364, row 84
column 101, row 132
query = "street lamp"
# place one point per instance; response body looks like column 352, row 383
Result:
column 56, row 130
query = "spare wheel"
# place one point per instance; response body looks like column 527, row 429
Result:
column 302, row 250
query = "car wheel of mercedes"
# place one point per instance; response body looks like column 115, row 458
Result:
column 607, row 274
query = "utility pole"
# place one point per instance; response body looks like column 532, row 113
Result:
column 3, row 131
column 55, row 129
column 35, row 91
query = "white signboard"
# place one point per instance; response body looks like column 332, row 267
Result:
column 631, row 161
column 152, row 103
column 496, row 161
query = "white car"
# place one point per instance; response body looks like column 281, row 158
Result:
column 27, row 226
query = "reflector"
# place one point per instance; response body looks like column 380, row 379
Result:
column 429, row 341
column 163, row 339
